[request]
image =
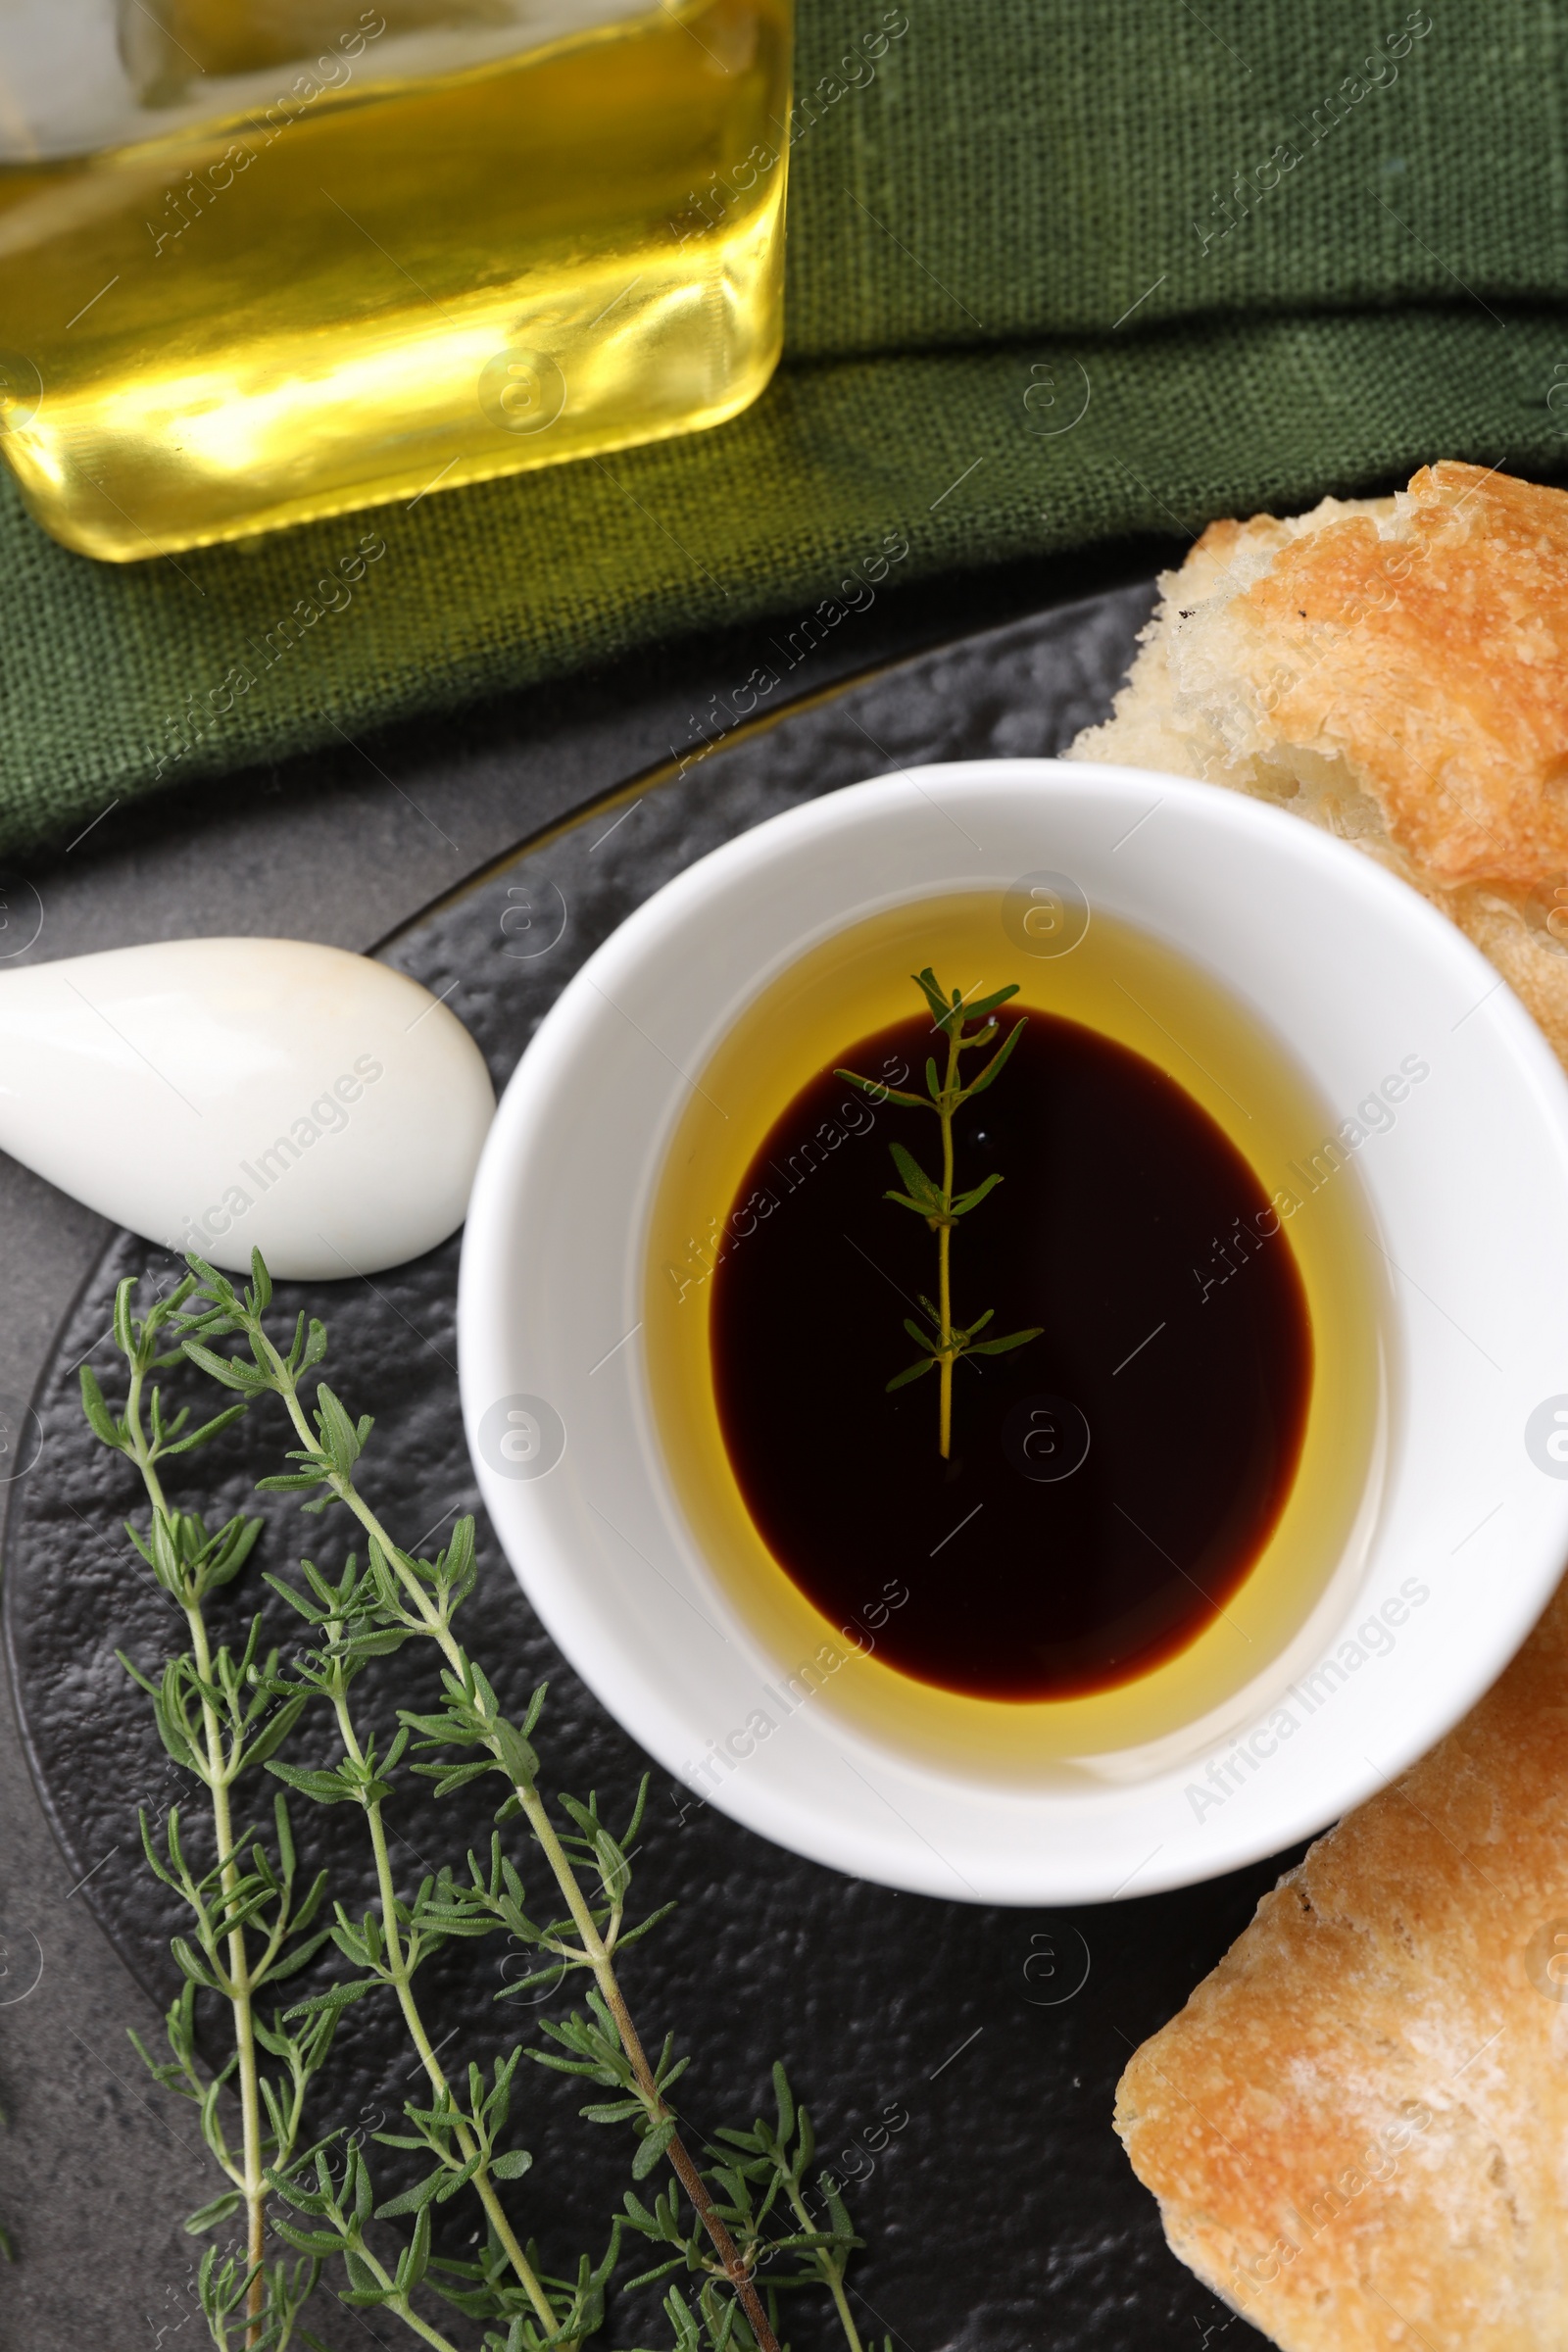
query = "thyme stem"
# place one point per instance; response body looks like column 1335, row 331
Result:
column 832, row 2273
column 252, row 2181
column 402, row 2304
column 418, row 2035
column 944, row 1255
column 594, row 1949
column 691, row 2179
column 936, row 1203
column 407, row 2313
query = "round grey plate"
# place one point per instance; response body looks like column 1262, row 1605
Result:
column 1001, row 2214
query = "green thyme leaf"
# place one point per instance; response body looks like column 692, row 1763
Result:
column 207, row 2217
column 971, row 1199
column 997, row 1064
column 1014, row 1339
column 978, row 1010
column 880, row 1091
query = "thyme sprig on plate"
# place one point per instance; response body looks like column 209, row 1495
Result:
column 739, row 2226
column 219, row 1718
column 384, row 1948
column 942, row 1340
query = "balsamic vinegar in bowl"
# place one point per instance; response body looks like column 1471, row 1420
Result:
column 1150, row 1487
column 1094, row 1515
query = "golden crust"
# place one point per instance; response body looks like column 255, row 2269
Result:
column 1357, row 2127
column 1432, row 655
column 1396, row 671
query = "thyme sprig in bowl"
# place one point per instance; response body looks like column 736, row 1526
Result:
column 942, row 1340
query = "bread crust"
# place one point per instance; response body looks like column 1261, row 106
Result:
column 1357, row 2127
column 1395, row 670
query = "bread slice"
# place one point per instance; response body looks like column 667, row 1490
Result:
column 1357, row 2127
column 1395, row 670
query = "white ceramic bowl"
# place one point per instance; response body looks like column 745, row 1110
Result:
column 1466, row 1195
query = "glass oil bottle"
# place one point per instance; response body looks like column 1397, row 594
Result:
column 274, row 259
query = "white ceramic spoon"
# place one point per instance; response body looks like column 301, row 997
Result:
column 220, row 1095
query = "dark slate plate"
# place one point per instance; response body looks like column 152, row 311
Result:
column 1002, row 2216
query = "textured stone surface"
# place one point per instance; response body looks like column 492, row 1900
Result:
column 1002, row 2215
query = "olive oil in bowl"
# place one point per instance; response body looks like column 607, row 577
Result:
column 1144, row 1506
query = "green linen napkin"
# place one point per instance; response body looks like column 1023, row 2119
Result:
column 1058, row 270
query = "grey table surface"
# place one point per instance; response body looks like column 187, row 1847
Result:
column 96, row 2163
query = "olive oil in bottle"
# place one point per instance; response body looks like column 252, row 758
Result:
column 275, row 260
